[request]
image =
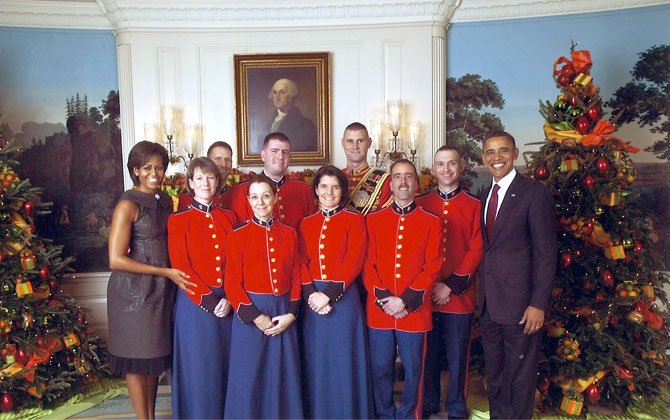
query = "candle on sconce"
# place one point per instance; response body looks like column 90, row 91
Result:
column 151, row 132
column 394, row 110
column 167, row 120
column 375, row 132
column 189, row 143
column 414, row 129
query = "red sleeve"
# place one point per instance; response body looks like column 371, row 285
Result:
column 180, row 259
column 356, row 246
column 475, row 251
column 371, row 279
column 234, row 284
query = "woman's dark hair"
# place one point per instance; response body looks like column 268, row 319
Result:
column 206, row 166
column 141, row 153
column 264, row 179
column 330, row 170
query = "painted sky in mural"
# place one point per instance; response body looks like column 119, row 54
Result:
column 41, row 68
column 518, row 54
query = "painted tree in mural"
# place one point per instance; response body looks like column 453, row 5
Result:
column 467, row 124
column 606, row 338
column 48, row 351
column 647, row 99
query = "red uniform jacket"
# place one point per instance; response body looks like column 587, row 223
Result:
column 197, row 238
column 334, row 244
column 462, row 244
column 404, row 259
column 295, row 201
column 263, row 257
column 381, row 196
column 223, row 199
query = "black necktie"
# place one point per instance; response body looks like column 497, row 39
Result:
column 491, row 211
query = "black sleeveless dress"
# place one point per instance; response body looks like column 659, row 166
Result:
column 139, row 306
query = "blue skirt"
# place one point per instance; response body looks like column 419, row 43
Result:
column 335, row 359
column 200, row 363
column 264, row 371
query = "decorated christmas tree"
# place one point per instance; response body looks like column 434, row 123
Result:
column 606, row 337
column 48, row 351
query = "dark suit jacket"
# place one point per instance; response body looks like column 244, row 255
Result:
column 519, row 263
column 299, row 129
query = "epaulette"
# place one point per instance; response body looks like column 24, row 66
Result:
column 376, row 211
column 184, row 210
column 471, row 195
column 241, row 225
column 427, row 212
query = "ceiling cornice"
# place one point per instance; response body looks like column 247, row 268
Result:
column 52, row 14
column 475, row 10
column 234, row 14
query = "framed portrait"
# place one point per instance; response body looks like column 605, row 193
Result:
column 287, row 93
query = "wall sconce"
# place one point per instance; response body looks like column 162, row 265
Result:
column 191, row 134
column 394, row 152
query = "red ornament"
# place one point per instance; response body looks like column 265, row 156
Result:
column 81, row 318
column 563, row 80
column 582, row 125
column 7, row 403
column 21, row 357
column 44, row 272
column 638, row 247
column 593, row 393
column 624, row 373
column 568, row 70
column 600, row 296
column 602, row 165
column 588, row 181
column 572, row 100
column 593, row 113
column 28, row 207
column 53, row 283
column 607, row 277
column 566, row 259
column 541, row 173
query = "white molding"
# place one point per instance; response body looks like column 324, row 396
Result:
column 52, row 14
column 231, row 14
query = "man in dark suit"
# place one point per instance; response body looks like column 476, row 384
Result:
column 289, row 120
column 516, row 274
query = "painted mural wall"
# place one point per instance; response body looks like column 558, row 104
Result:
column 59, row 97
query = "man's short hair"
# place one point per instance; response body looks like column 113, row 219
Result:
column 276, row 136
column 356, row 126
column 446, row 148
column 291, row 88
column 500, row 133
column 407, row 161
column 219, row 143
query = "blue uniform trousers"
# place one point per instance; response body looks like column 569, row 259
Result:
column 384, row 346
column 450, row 338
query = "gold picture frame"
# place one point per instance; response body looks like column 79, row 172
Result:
column 306, row 115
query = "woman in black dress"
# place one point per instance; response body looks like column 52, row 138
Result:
column 141, row 288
